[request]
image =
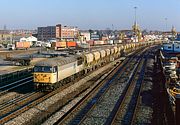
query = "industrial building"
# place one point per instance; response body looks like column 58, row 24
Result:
column 86, row 36
column 5, row 36
column 66, row 33
column 46, row 33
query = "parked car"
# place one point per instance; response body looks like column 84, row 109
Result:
column 38, row 43
column 1, row 46
column 46, row 44
column 11, row 47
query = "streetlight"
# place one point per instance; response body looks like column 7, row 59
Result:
column 166, row 23
column 135, row 24
column 135, row 8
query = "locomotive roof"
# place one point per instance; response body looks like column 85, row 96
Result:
column 58, row 61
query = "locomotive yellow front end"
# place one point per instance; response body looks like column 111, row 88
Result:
column 45, row 77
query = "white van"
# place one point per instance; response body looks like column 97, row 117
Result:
column 11, row 47
column 38, row 44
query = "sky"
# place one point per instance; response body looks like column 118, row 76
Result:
column 90, row 14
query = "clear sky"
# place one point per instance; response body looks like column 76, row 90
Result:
column 90, row 14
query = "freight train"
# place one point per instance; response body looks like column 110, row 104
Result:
column 52, row 73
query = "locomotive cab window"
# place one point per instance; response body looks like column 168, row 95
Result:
column 54, row 69
column 45, row 69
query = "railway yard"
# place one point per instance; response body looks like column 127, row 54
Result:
column 121, row 87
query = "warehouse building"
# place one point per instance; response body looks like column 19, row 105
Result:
column 66, row 33
column 5, row 36
column 46, row 33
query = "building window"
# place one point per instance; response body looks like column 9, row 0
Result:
column 169, row 47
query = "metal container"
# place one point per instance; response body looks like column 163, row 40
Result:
column 132, row 45
column 96, row 55
column 84, row 45
column 115, row 49
column 19, row 44
column 127, row 46
column 59, row 44
column 71, row 44
column 122, row 47
column 108, row 52
column 22, row 45
column 119, row 49
column 112, row 51
column 27, row 44
column 99, row 42
column 110, row 41
column 103, row 53
column 89, row 57
column 105, row 42
column 117, row 41
column 91, row 42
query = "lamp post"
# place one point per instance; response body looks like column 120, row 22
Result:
column 165, row 28
column 166, row 24
column 135, row 8
column 135, row 23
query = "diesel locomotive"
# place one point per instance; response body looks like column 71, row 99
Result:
column 52, row 73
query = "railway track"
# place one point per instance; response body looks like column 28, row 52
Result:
column 24, row 106
column 83, row 114
column 14, row 76
column 103, row 106
column 6, row 88
column 14, row 105
column 124, row 111
column 13, row 108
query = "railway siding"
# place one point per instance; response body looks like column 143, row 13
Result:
column 145, row 110
column 56, row 101
column 36, row 114
column 69, row 106
column 106, row 98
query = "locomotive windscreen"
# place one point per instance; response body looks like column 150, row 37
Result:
column 46, row 69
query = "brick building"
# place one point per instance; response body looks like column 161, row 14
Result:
column 66, row 33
